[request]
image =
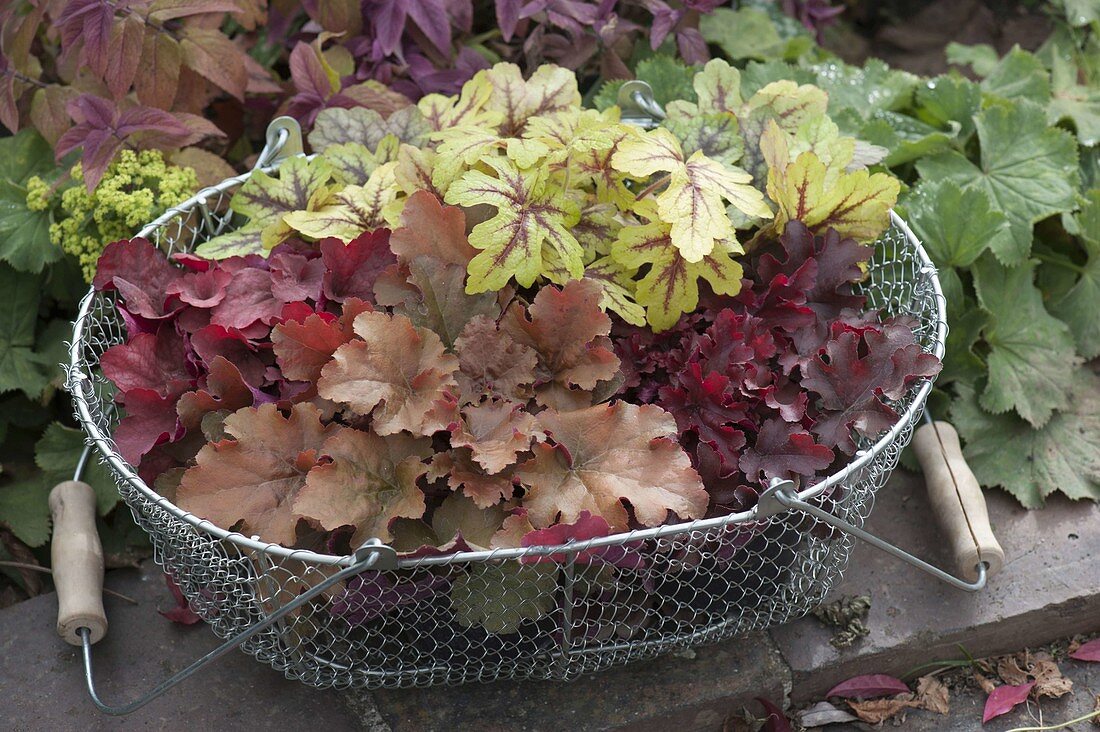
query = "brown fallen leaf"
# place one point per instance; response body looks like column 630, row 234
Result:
column 1013, row 669
column 1049, row 680
column 985, row 683
column 932, row 695
column 875, row 711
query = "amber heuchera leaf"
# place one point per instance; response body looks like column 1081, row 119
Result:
column 302, row 348
column 491, row 362
column 569, row 332
column 430, row 229
column 604, row 455
column 370, row 482
column 496, row 432
column 396, row 372
column 250, row 481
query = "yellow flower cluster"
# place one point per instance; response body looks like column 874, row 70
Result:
column 137, row 187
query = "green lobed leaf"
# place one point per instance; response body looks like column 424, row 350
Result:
column 867, row 89
column 743, row 33
column 1031, row 354
column 500, row 597
column 669, row 78
column 1028, row 169
column 981, row 57
column 1019, row 75
column 1032, row 464
column 25, row 234
column 955, row 225
column 1075, row 102
column 21, row 367
column 24, row 508
column 949, row 99
column 57, row 453
column 757, row 75
column 1079, row 307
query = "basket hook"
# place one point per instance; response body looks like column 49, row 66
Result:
column 284, row 140
column 638, row 105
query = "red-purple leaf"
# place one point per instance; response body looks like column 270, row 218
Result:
column 140, row 273
column 776, row 721
column 869, row 686
column 352, row 268
column 783, row 449
column 1088, row 652
column 181, row 613
column 1004, row 699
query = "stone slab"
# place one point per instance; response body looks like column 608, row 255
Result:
column 688, row 692
column 1048, row 589
column 43, row 684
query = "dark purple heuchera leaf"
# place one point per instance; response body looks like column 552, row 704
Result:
column 772, row 383
column 371, row 595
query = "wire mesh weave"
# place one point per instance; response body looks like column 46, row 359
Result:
column 539, row 612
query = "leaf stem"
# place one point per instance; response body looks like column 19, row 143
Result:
column 1058, row 262
column 1063, row 725
column 653, row 187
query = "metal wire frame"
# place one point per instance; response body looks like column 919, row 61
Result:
column 580, row 612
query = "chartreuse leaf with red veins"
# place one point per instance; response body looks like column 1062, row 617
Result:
column 549, row 89
column 1061, row 456
column 353, row 163
column 710, row 125
column 299, row 185
column 370, row 481
column 396, row 373
column 350, row 212
column 568, row 331
column 618, row 290
column 1028, row 169
column 692, row 202
column 787, row 104
column 671, row 286
column 603, row 455
column 854, row 204
column 531, row 224
column 1031, row 353
column 366, row 127
column 250, row 482
column 469, row 107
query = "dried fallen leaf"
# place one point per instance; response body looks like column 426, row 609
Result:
column 875, row 711
column 985, row 683
column 824, row 713
column 1011, row 671
column 932, row 695
column 1049, row 680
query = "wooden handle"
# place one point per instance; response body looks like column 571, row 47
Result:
column 77, row 562
column 957, row 500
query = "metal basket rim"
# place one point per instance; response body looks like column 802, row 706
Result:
column 77, row 384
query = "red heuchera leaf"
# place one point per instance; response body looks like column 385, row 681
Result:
column 430, row 229
column 850, row 384
column 141, row 275
column 585, row 527
column 603, row 455
column 304, row 347
column 782, row 449
column 229, row 343
column 201, row 289
column 225, row 389
column 248, row 299
column 496, row 432
column 250, row 481
column 370, row 482
column 492, row 363
column 352, row 268
column 708, row 408
column 1004, row 699
column 295, row 278
column 1088, row 652
column 396, row 372
column 182, row 612
column 568, row 330
column 869, row 686
column 150, row 420
column 776, row 721
column 149, row 361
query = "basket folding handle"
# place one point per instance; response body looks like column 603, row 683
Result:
column 957, row 501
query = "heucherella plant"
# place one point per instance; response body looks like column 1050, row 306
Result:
column 555, row 192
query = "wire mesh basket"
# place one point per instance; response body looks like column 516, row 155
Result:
column 375, row 619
